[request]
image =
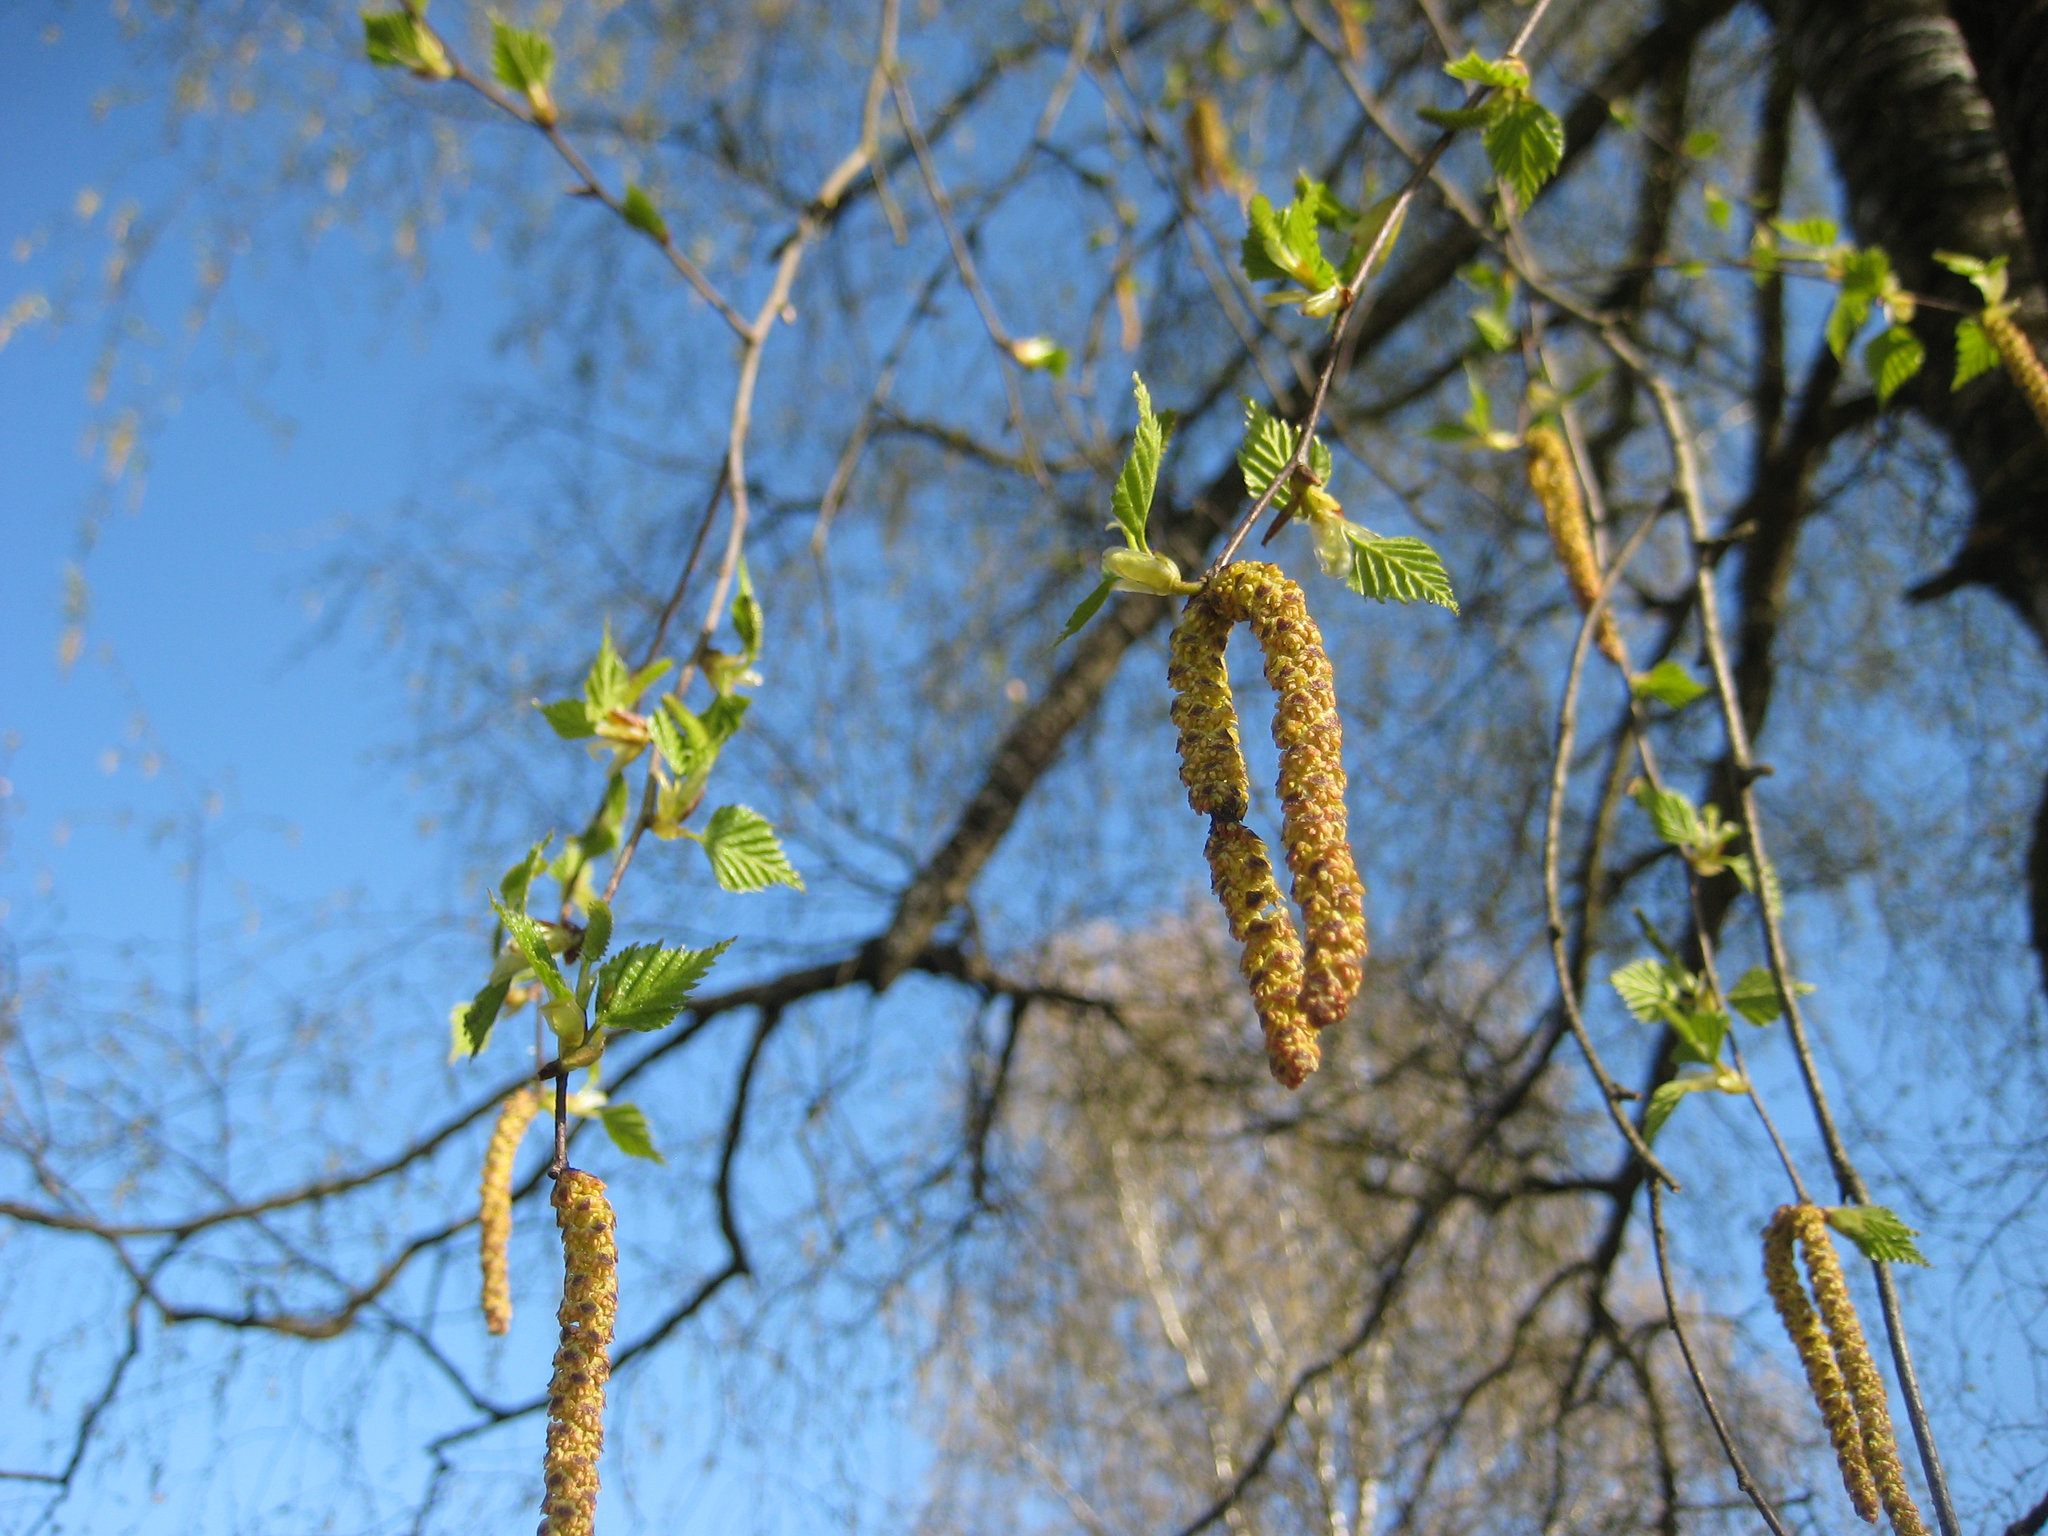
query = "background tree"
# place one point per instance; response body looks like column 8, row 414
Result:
column 946, row 1097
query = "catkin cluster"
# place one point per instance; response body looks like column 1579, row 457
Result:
column 1846, row 1386
column 1556, row 485
column 2021, row 365
column 494, row 1217
column 1299, row 983
column 590, row 1299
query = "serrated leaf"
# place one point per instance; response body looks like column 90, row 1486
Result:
column 628, row 1129
column 1668, row 683
column 1700, row 1032
column 1878, row 1232
column 1974, row 352
column 1397, row 570
column 607, row 685
column 1818, row 234
column 1670, row 813
column 475, row 1029
column 641, row 213
column 681, row 738
column 1268, row 445
column 1321, row 202
column 746, row 614
column 570, row 718
column 1265, row 247
column 1303, row 232
column 1525, row 147
column 1131, row 500
column 1892, row 357
column 1756, row 995
column 397, row 39
column 519, row 878
column 1664, row 1099
column 1647, row 987
column 597, row 933
column 745, row 853
column 521, row 60
column 644, row 986
column 531, row 940
column 1088, row 607
column 1502, row 74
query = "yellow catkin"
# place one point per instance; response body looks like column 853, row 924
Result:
column 1859, row 1371
column 1556, row 485
column 590, row 1298
column 1310, row 737
column 1242, row 877
column 1816, row 1353
column 495, row 1206
column 2021, row 365
column 1211, row 758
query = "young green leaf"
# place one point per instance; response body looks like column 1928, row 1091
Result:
column 1865, row 277
column 519, row 878
column 1501, row 74
column 1974, row 352
column 1700, row 143
column 1892, row 357
column 1670, row 813
column 1088, row 607
column 1815, row 234
column 397, row 39
column 1397, row 570
column 1716, row 203
column 475, row 1029
column 523, row 61
column 627, row 1127
column 644, row 986
column 1772, row 895
column 1878, row 1232
column 1131, row 499
column 1458, row 119
column 1755, row 996
column 1700, row 1032
column 570, row 718
column 641, row 213
column 1525, row 147
column 1988, row 277
column 531, row 940
column 1493, row 329
column 745, row 854
column 746, row 615
column 1268, row 445
column 597, row 933
column 1650, row 986
column 1664, row 1099
column 607, row 685
column 1668, row 683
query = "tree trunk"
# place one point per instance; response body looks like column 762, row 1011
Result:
column 2008, row 41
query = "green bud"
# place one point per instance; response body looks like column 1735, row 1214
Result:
column 1139, row 571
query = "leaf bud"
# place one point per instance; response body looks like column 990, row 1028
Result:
column 1142, row 571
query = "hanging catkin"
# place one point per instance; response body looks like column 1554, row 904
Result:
column 1326, row 971
column 494, row 1216
column 1556, row 485
column 590, row 1296
column 1823, row 1375
column 1859, row 1370
column 2021, row 365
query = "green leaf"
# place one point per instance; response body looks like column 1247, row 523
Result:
column 1265, row 246
column 1878, row 1232
column 745, row 854
column 1650, row 986
column 1525, row 147
column 683, row 741
column 644, row 987
column 1458, row 119
column 597, row 933
column 1283, row 245
column 1974, row 352
column 1892, row 357
column 1718, row 211
column 1700, row 1032
column 1818, row 234
column 1670, row 813
column 1756, row 996
column 1668, row 683
column 483, row 1011
column 521, row 60
column 519, row 878
column 1493, row 329
column 1321, row 202
column 1268, row 445
column 607, row 685
column 397, row 39
column 746, row 614
column 1988, row 277
column 641, row 213
column 722, row 716
column 1744, row 871
column 1088, row 608
column 570, row 718
column 531, row 940
column 627, row 1127
column 1664, row 1099
column 1863, row 282
column 1131, row 499
column 1700, row 143
column 1502, row 74
column 1397, row 570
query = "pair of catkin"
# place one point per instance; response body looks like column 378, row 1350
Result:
column 1298, row 988
column 590, row 1300
column 1556, row 485
column 1844, row 1379
column 494, row 1216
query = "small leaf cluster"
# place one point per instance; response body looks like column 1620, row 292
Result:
column 403, row 40
column 1285, row 245
column 1865, row 284
column 1137, row 567
column 1975, row 353
column 1877, row 1232
column 1698, row 833
column 1524, row 140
